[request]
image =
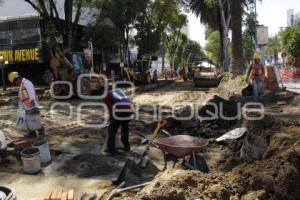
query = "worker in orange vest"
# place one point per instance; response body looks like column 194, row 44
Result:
column 28, row 102
column 256, row 73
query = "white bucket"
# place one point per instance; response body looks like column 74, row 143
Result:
column 2, row 140
column 31, row 160
column 44, row 152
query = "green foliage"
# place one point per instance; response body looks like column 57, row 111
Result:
column 274, row 47
column 159, row 18
column 213, row 47
column 291, row 40
column 193, row 51
column 208, row 11
column 108, row 41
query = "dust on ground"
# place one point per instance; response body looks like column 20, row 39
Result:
column 263, row 165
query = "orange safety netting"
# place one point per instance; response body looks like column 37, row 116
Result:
column 289, row 73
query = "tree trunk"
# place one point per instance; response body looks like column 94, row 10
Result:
column 163, row 55
column 127, row 47
column 222, row 53
column 237, row 39
column 68, row 20
column 225, row 27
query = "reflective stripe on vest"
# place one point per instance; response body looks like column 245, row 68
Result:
column 259, row 73
column 25, row 97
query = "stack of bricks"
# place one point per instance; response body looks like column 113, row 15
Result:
column 60, row 195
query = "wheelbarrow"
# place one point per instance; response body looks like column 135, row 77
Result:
column 181, row 146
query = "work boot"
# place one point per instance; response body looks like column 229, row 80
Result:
column 110, row 153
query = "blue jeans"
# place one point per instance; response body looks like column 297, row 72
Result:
column 257, row 85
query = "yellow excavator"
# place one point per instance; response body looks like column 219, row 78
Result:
column 142, row 72
column 68, row 66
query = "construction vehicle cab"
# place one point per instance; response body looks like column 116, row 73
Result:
column 205, row 75
column 142, row 71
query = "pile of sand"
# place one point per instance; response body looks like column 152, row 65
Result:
column 274, row 174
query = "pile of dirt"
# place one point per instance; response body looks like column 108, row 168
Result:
column 225, row 111
column 229, row 87
column 271, row 172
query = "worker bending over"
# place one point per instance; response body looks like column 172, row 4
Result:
column 256, row 73
column 28, row 102
column 120, row 110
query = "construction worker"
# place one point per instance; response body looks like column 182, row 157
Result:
column 28, row 102
column 256, row 73
column 119, row 107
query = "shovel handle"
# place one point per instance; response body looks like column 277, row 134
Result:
column 160, row 124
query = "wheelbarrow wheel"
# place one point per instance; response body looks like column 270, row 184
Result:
column 201, row 163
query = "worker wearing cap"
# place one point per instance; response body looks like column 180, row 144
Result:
column 28, row 100
column 119, row 106
column 256, row 73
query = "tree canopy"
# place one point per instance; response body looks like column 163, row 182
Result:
column 49, row 10
column 290, row 39
column 213, row 47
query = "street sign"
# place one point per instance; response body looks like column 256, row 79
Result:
column 262, row 34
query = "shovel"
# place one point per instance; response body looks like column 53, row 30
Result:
column 160, row 125
column 233, row 134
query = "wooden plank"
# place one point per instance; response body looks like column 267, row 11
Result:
column 48, row 196
column 71, row 194
column 64, row 196
column 58, row 194
column 53, row 195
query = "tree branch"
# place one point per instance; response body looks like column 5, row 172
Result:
column 53, row 6
column 78, row 12
column 43, row 8
column 34, row 6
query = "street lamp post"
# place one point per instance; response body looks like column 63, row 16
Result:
column 3, row 75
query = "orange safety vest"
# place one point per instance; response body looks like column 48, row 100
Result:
column 25, row 97
column 259, row 72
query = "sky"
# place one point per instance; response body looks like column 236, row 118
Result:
column 271, row 13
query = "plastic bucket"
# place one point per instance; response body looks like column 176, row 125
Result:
column 2, row 140
column 45, row 155
column 31, row 160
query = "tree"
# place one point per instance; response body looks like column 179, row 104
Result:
column 213, row 47
column 290, row 38
column 122, row 14
column 249, row 34
column 216, row 15
column 274, row 47
column 193, row 52
column 229, row 17
column 55, row 26
column 237, row 39
column 169, row 19
column 175, row 46
column 108, row 43
column 148, row 37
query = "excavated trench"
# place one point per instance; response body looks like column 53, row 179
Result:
column 264, row 164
